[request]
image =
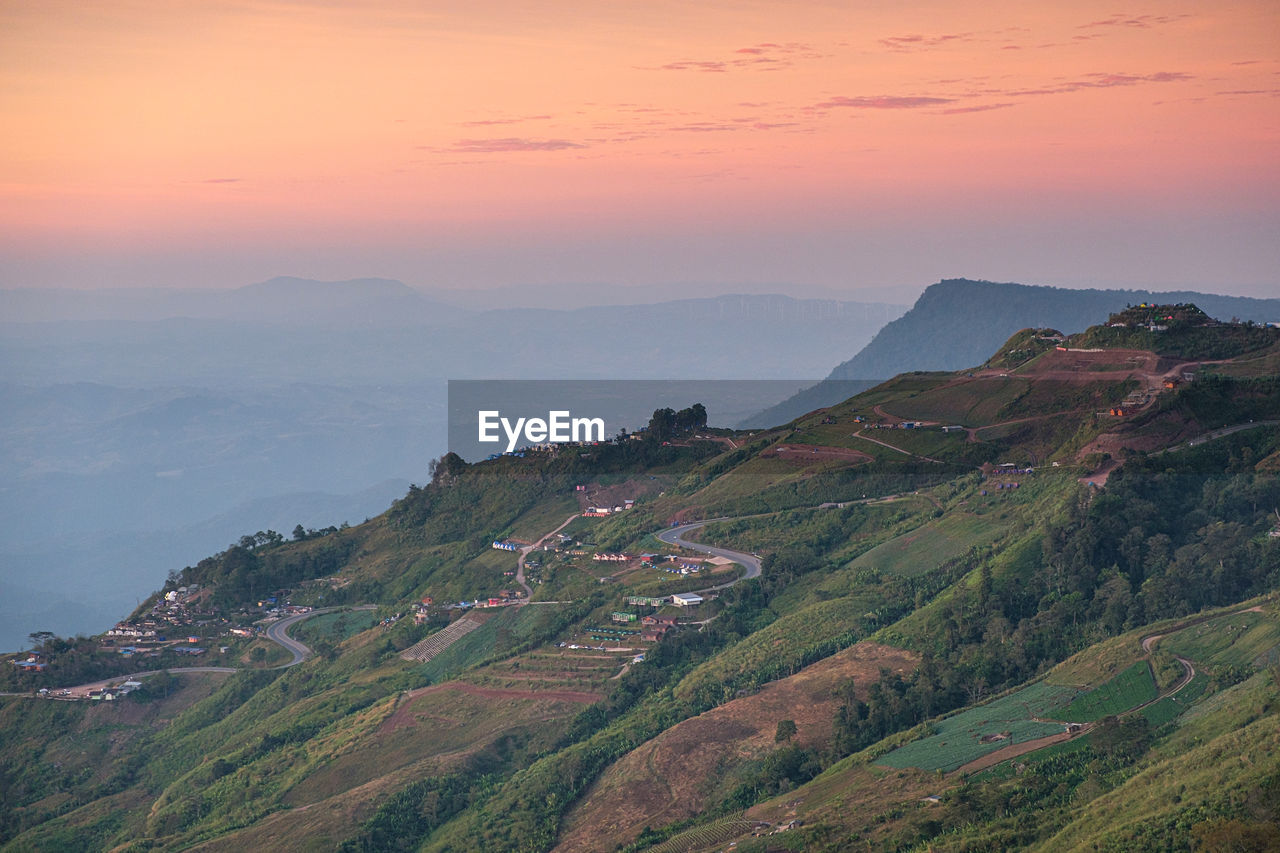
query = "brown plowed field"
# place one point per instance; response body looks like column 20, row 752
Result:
column 671, row 777
column 808, row 453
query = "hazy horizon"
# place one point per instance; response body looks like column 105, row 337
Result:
column 641, row 145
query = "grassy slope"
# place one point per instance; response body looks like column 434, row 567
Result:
column 239, row 764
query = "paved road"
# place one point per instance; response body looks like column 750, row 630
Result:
column 278, row 632
column 81, row 691
column 1217, row 433
column 675, row 536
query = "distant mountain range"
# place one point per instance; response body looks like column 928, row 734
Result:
column 135, row 421
column 285, row 300
column 378, row 331
column 958, row 323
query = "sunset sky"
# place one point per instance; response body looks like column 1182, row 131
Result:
column 817, row 145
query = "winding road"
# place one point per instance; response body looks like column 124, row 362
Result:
column 277, row 632
column 1148, row 646
column 675, row 536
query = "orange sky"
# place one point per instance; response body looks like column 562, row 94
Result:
column 478, row 143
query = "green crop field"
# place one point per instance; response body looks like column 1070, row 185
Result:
column 1246, row 639
column 927, row 547
column 778, row 646
column 1129, row 689
column 335, row 627
column 1170, row 707
column 958, row 739
column 706, row 836
column 515, row 624
column 751, row 478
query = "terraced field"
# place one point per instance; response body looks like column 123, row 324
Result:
column 1247, row 639
column 1129, row 689
column 552, row 670
column 969, row 735
column 927, row 547
column 432, row 646
column 705, row 837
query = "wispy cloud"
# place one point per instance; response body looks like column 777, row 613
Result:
column 714, row 66
column 494, row 121
column 221, row 181
column 919, row 41
column 885, row 102
column 978, row 108
column 765, row 56
column 703, row 127
column 1103, row 80
column 1133, row 21
column 511, row 143
column 985, row 98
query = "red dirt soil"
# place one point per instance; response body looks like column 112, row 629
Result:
column 806, row 453
column 672, row 776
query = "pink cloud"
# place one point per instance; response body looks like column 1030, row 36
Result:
column 491, row 146
column 885, row 102
column 692, row 65
column 765, row 56
column 917, row 41
column 493, row 121
column 1101, row 80
column 1136, row 21
column 980, row 108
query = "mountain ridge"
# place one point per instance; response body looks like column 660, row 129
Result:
column 959, row 323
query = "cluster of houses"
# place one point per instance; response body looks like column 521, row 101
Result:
column 907, row 425
column 605, row 511
column 504, row 598
column 31, row 664
column 175, row 613
column 108, row 694
column 670, row 563
column 654, row 628
column 423, row 610
column 182, row 593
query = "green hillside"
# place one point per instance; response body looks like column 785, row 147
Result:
column 1048, row 626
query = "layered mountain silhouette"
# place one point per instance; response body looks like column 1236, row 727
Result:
column 958, row 323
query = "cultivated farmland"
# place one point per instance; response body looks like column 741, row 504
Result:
column 959, row 739
column 1131, row 688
